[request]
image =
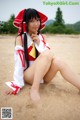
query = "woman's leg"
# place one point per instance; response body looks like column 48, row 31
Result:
column 38, row 71
column 65, row 70
column 35, row 72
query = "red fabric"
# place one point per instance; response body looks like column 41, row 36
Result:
column 19, row 19
column 29, row 56
column 24, row 26
column 44, row 42
column 16, row 88
column 43, row 39
column 43, row 17
column 21, row 54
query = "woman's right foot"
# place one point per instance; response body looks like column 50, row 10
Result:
column 34, row 94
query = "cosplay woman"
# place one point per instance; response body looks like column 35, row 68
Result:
column 34, row 61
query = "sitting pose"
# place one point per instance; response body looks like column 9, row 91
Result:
column 34, row 61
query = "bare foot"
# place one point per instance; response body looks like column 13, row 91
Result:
column 34, row 94
column 9, row 91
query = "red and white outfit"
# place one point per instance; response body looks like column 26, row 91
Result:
column 20, row 63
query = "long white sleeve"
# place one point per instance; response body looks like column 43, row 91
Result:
column 18, row 82
column 19, row 66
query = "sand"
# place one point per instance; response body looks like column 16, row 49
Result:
column 59, row 99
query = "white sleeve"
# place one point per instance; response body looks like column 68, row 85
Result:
column 42, row 45
column 19, row 66
column 18, row 82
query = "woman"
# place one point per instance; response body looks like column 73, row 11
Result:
column 34, row 61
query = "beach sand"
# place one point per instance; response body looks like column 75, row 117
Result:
column 59, row 99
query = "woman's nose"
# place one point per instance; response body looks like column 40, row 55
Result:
column 35, row 23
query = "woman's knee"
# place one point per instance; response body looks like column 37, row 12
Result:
column 47, row 54
column 59, row 63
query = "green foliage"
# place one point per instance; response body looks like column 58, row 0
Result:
column 11, row 28
column 4, row 28
column 7, row 27
column 58, row 19
column 54, row 29
column 59, row 26
column 74, row 27
column 61, row 30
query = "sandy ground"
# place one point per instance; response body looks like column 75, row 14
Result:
column 59, row 99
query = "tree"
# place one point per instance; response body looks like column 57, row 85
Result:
column 7, row 27
column 11, row 28
column 59, row 18
column 59, row 26
column 4, row 28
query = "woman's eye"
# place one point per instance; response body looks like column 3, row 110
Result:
column 38, row 19
column 31, row 21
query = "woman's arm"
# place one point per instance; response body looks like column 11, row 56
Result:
column 18, row 82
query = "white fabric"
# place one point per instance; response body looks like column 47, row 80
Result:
column 29, row 40
column 9, row 84
column 41, row 47
column 19, row 69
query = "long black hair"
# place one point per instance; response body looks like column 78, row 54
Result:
column 28, row 15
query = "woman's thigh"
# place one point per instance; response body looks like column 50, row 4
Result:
column 51, row 72
column 29, row 73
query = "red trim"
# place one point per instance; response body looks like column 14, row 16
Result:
column 21, row 54
column 43, row 40
column 17, row 88
column 29, row 49
column 29, row 56
column 48, row 47
column 24, row 26
column 19, row 20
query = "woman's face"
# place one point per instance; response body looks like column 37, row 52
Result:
column 33, row 25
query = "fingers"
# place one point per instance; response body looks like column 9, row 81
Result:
column 34, row 37
column 9, row 92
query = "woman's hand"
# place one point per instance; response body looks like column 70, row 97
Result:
column 35, row 38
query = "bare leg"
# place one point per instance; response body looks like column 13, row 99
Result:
column 70, row 76
column 41, row 68
column 34, row 74
column 65, row 70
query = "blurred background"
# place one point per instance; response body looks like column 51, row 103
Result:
column 63, row 16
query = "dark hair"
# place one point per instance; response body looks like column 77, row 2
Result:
column 28, row 15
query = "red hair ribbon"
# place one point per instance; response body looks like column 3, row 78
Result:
column 18, row 21
column 24, row 27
